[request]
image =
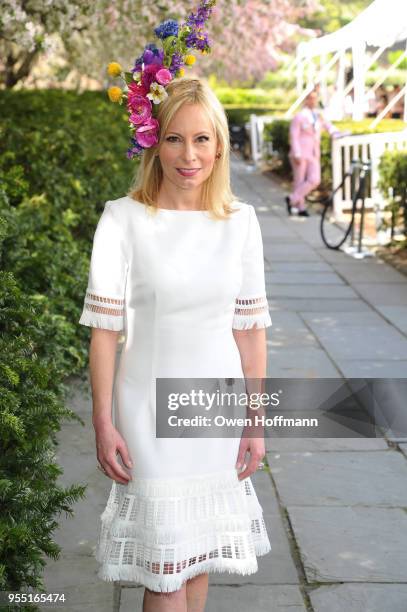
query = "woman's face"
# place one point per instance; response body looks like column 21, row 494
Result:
column 189, row 144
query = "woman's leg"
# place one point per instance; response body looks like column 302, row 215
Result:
column 175, row 601
column 197, row 591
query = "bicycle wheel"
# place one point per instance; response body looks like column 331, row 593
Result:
column 338, row 232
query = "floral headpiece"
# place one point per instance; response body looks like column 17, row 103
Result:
column 154, row 69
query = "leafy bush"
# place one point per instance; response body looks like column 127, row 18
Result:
column 62, row 155
column 393, row 183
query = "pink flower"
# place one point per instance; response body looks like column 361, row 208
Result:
column 147, row 134
column 163, row 76
column 148, row 75
column 136, row 90
column 141, row 110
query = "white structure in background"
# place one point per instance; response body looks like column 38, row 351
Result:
column 382, row 24
column 366, row 147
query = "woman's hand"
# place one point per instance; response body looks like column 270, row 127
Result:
column 255, row 447
column 108, row 444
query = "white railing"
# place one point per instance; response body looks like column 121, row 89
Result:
column 366, row 147
column 256, row 135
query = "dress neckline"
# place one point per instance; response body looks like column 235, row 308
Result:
column 169, row 209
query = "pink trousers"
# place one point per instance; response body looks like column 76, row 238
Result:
column 307, row 176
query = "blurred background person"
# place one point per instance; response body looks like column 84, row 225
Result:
column 305, row 151
column 397, row 111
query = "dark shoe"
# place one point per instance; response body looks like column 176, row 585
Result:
column 303, row 213
column 288, row 202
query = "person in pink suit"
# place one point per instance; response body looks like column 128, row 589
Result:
column 305, row 151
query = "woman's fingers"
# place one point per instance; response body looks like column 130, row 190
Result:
column 115, row 470
column 124, row 453
column 251, row 468
column 109, row 444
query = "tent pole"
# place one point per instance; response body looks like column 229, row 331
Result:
column 405, row 93
column 359, row 75
column 340, row 81
column 300, row 73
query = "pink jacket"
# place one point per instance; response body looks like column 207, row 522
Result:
column 305, row 136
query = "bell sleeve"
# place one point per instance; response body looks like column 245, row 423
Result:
column 105, row 293
column 251, row 306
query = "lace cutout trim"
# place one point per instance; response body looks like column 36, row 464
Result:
column 109, row 309
column 246, row 306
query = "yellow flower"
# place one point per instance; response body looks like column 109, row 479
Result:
column 190, row 59
column 181, row 72
column 115, row 94
column 114, row 69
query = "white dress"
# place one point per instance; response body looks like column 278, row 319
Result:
column 175, row 285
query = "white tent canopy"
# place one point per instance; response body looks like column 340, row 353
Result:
column 382, row 24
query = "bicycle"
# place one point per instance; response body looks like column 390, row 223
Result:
column 364, row 168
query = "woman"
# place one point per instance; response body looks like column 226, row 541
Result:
column 177, row 265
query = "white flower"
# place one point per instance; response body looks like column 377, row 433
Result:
column 157, row 93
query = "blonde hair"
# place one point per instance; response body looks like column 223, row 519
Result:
column 217, row 194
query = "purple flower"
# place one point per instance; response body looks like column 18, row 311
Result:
column 203, row 14
column 176, row 63
column 167, row 28
column 197, row 37
column 197, row 40
column 134, row 149
column 150, row 55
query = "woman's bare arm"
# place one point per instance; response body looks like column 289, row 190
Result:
column 253, row 354
column 102, row 355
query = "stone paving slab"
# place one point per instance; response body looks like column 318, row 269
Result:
column 343, row 319
column 321, row 291
column 299, row 362
column 348, row 479
column 290, row 445
column 300, row 266
column 368, row 368
column 75, row 575
column 303, row 278
column 275, row 598
column 333, row 256
column 389, row 294
column 327, row 304
column 397, row 315
column 365, row 597
column 289, row 252
column 289, row 330
column 355, row 544
column 369, row 271
column 360, row 342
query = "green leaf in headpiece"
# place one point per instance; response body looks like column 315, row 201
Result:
column 128, row 77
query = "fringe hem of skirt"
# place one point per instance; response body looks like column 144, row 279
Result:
column 162, row 546
column 171, row 582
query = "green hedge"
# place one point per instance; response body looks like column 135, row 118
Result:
column 62, row 155
column 393, row 184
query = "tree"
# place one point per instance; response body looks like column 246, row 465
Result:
column 247, row 34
